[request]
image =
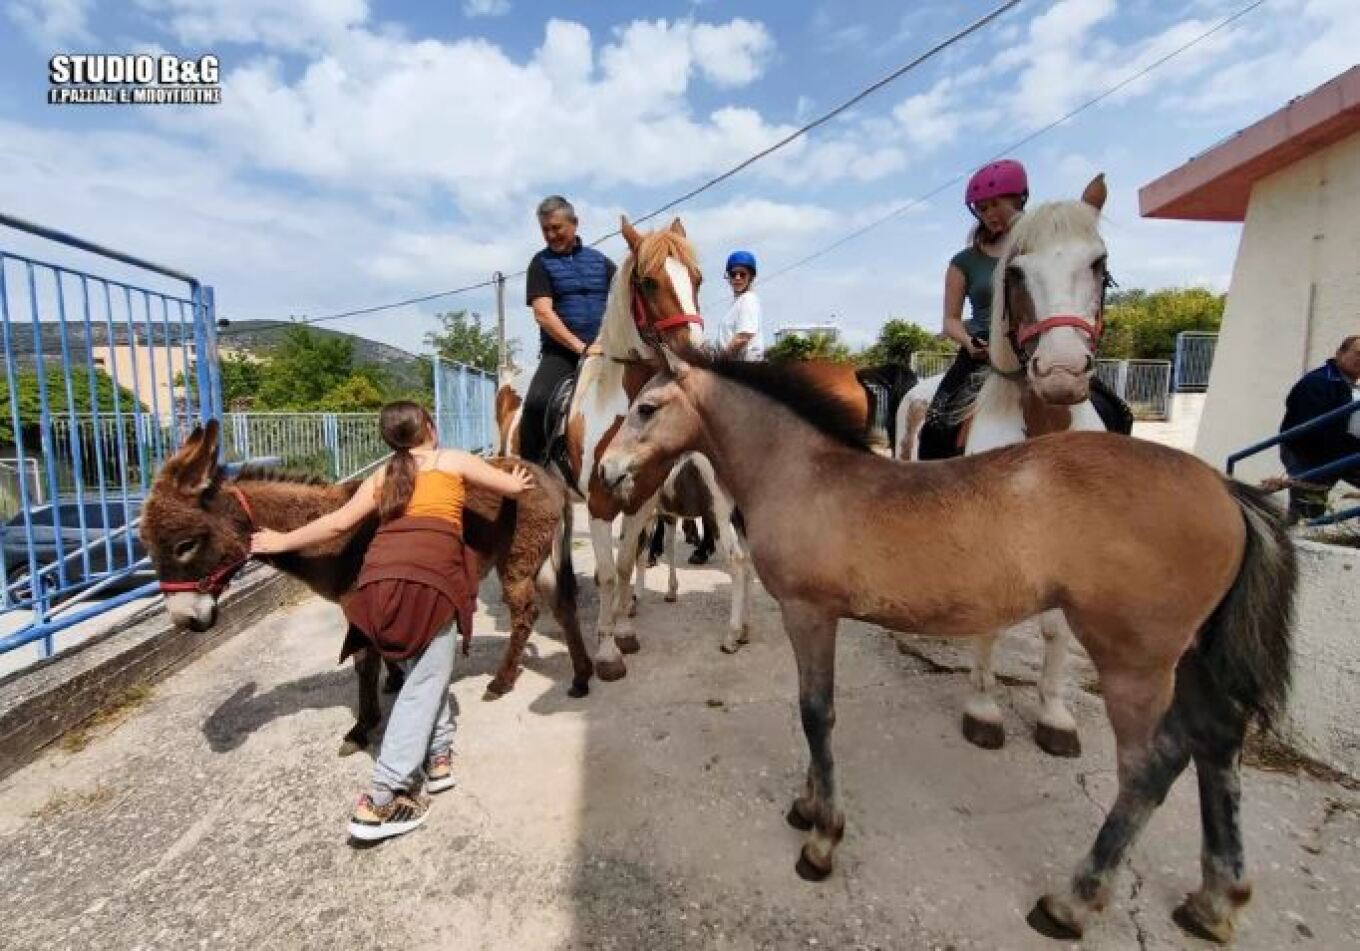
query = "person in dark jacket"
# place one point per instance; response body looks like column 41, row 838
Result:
column 417, row 584
column 1320, row 391
column 567, row 285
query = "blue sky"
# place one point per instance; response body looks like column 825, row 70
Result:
column 370, row 151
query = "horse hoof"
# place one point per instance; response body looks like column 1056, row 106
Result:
column 628, row 643
column 729, row 648
column 1193, row 921
column 984, row 733
column 610, row 670
column 1056, row 742
column 671, row 598
column 1042, row 919
column 349, row 746
column 632, row 611
column 808, row 871
column 795, row 819
column 579, row 689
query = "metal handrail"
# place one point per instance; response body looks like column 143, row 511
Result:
column 52, row 234
column 1317, row 422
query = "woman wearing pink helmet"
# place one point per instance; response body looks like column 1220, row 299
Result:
column 996, row 196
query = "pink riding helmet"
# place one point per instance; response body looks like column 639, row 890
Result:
column 1006, row 177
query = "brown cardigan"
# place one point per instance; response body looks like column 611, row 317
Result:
column 417, row 577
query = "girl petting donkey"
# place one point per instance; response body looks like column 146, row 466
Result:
column 417, row 582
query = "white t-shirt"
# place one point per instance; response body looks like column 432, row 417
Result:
column 743, row 317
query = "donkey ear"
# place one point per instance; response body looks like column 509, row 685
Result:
column 630, row 234
column 1095, row 192
column 677, row 227
column 194, row 467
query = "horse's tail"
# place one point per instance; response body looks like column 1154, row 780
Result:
column 1245, row 651
column 566, row 571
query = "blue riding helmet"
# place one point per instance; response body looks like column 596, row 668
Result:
column 741, row 259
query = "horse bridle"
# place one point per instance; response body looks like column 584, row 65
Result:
column 1020, row 337
column 651, row 329
column 216, row 581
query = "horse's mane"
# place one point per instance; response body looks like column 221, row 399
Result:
column 1052, row 221
column 797, row 391
column 271, row 474
column 618, row 335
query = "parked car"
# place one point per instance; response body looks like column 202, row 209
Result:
column 14, row 536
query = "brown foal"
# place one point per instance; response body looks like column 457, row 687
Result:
column 1178, row 582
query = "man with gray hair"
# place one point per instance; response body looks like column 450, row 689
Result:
column 567, row 285
column 1320, row 391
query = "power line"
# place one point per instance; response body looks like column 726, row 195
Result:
column 828, row 116
column 798, row 133
column 920, row 199
column 360, row 312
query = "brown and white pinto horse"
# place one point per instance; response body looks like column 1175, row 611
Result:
column 1053, row 264
column 654, row 298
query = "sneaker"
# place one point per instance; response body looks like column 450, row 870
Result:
column 370, row 822
column 439, row 772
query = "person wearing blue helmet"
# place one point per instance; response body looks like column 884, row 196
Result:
column 739, row 330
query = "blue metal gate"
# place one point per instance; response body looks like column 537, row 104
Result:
column 102, row 378
column 465, row 407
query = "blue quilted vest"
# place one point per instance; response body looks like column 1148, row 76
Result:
column 580, row 284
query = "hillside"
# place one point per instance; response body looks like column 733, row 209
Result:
column 258, row 337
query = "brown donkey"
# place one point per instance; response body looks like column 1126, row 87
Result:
column 1179, row 583
column 196, row 526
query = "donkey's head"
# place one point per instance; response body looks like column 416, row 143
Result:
column 196, row 534
column 1049, row 297
column 655, row 298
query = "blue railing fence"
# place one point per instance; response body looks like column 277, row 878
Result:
column 1194, row 360
column 103, row 376
column 465, row 407
column 1345, row 464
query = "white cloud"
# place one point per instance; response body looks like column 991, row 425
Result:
column 383, row 112
column 52, row 24
column 486, row 8
column 279, row 24
column 733, row 54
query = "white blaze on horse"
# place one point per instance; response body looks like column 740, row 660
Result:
column 1179, row 583
column 1053, row 264
column 653, row 298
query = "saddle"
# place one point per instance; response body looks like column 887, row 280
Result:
column 943, row 435
column 886, row 386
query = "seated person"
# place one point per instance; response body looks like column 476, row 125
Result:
column 1320, row 391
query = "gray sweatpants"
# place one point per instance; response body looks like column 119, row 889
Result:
column 420, row 724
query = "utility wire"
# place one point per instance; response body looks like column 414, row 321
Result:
column 1018, row 144
column 798, row 133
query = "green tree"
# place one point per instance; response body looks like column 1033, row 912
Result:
column 1141, row 324
column 898, row 340
column 30, row 400
column 304, row 368
column 815, row 346
column 462, row 339
column 242, row 378
column 357, row 394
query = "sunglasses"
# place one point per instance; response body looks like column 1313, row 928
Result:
column 738, row 275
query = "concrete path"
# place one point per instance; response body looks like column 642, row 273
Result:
column 649, row 815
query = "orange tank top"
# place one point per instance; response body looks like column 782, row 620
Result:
column 437, row 495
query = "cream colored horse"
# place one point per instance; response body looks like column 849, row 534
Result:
column 1053, row 264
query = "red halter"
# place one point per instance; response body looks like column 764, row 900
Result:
column 664, row 323
column 216, row 581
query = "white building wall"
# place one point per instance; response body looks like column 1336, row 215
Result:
column 1295, row 294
